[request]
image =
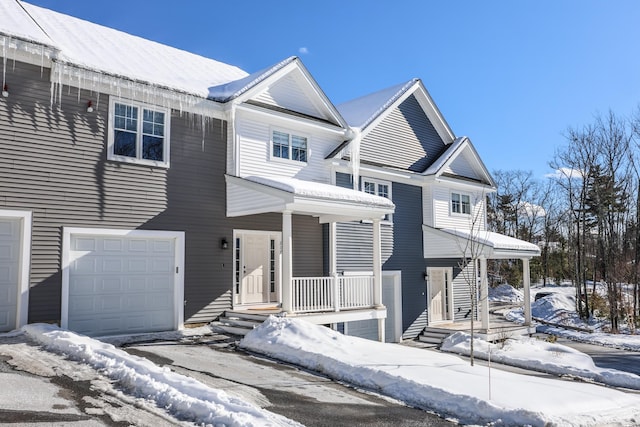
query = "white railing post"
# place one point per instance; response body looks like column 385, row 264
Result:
column 484, row 295
column 337, row 294
column 377, row 264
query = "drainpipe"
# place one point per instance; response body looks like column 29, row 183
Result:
column 355, row 157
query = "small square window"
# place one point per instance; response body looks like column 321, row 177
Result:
column 289, row 146
column 460, row 203
column 138, row 134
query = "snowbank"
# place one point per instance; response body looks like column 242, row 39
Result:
column 505, row 293
column 184, row 397
column 441, row 383
column 541, row 356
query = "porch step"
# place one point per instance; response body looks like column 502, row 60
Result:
column 238, row 322
column 434, row 336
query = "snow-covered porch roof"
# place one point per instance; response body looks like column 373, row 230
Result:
column 256, row 194
column 454, row 243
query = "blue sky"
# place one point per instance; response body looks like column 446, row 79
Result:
column 511, row 75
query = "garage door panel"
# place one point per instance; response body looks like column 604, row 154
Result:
column 124, row 285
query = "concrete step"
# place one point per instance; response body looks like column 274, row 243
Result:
column 430, row 340
column 235, row 321
column 233, row 330
column 260, row 317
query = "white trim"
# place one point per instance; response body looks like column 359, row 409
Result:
column 179, row 237
column 397, row 298
column 138, row 159
column 26, row 223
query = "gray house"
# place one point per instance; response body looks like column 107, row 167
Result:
column 435, row 244
column 136, row 198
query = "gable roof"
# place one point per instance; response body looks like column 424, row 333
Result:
column 97, row 48
column 461, row 149
column 314, row 102
column 365, row 112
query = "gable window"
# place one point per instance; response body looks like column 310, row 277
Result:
column 378, row 188
column 138, row 134
column 289, row 146
column 460, row 203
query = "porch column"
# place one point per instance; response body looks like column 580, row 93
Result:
column 333, row 250
column 484, row 295
column 377, row 265
column 526, row 282
column 377, row 275
column 287, row 270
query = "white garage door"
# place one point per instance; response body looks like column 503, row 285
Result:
column 10, row 236
column 122, row 284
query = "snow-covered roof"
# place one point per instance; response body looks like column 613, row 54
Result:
column 231, row 90
column 105, row 50
column 441, row 161
column 17, row 23
column 360, row 112
column 452, row 152
column 318, row 190
column 498, row 242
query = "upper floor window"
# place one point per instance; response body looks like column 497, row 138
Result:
column 138, row 134
column 378, row 188
column 460, row 203
column 289, row 146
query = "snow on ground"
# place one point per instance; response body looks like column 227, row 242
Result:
column 531, row 353
column 442, row 383
column 505, row 293
column 559, row 307
column 184, row 397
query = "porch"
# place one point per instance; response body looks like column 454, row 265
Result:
column 330, row 299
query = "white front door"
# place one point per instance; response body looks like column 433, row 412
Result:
column 257, row 264
column 439, row 294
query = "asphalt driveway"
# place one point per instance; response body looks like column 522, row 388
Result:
column 42, row 388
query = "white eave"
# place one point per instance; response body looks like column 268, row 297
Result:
column 255, row 195
column 458, row 243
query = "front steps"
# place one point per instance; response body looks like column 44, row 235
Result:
column 433, row 337
column 239, row 322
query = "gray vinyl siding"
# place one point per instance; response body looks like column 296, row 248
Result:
column 354, row 240
column 408, row 256
column 420, row 144
column 53, row 162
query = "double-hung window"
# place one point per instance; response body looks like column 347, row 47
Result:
column 460, row 203
column 378, row 188
column 289, row 146
column 138, row 134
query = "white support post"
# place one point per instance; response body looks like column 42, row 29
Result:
column 381, row 336
column 484, row 295
column 526, row 281
column 287, row 268
column 333, row 266
column 377, row 264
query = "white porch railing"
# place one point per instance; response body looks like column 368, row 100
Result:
column 316, row 294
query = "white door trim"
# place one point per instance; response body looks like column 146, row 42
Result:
column 448, row 311
column 397, row 298
column 277, row 236
column 22, row 305
column 178, row 293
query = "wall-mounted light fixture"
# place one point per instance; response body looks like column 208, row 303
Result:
column 90, row 107
column 5, row 90
column 224, row 244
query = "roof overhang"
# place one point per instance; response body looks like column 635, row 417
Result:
column 255, row 195
column 458, row 243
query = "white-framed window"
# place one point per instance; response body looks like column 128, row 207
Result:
column 289, row 146
column 460, row 203
column 138, row 133
column 378, row 188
